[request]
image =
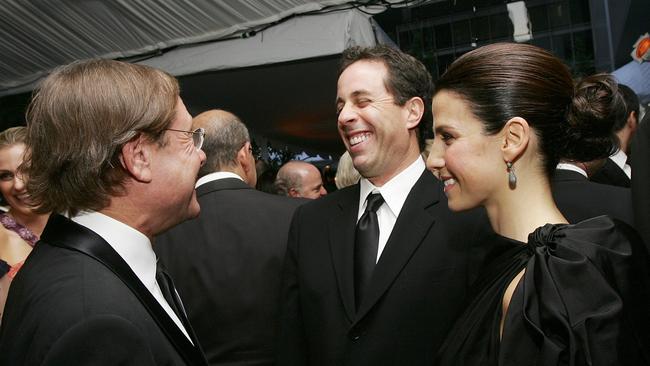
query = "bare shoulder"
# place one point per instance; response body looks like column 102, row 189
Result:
column 13, row 249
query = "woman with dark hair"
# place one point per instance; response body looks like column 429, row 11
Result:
column 557, row 294
column 21, row 226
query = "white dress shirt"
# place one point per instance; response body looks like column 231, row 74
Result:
column 568, row 166
column 214, row 176
column 394, row 193
column 620, row 158
column 135, row 248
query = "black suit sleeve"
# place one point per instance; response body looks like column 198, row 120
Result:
column 641, row 179
column 291, row 348
column 101, row 340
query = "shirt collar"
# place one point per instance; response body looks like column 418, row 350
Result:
column 395, row 190
column 133, row 246
column 214, row 176
column 620, row 158
column 568, row 166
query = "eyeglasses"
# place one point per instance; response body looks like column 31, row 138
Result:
column 198, row 136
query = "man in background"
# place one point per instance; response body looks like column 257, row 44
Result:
column 227, row 262
column 615, row 170
column 300, row 179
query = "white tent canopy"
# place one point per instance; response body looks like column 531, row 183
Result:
column 273, row 63
column 185, row 36
column 299, row 38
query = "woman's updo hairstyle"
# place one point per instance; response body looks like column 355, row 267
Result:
column 505, row 80
column 597, row 106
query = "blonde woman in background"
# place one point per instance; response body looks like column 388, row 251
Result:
column 21, row 227
column 346, row 175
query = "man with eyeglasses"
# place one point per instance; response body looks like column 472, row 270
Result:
column 227, row 262
column 112, row 147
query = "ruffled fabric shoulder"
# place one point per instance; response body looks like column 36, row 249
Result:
column 586, row 294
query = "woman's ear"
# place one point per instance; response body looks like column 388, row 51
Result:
column 516, row 136
column 415, row 109
column 136, row 159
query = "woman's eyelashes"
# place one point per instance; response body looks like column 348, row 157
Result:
column 445, row 136
column 6, row 176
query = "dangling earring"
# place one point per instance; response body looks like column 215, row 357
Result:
column 512, row 178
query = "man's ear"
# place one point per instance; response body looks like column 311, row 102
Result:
column 242, row 158
column 136, row 158
column 632, row 121
column 415, row 110
column 293, row 192
column 516, row 136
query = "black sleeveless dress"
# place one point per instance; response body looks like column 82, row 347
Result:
column 583, row 300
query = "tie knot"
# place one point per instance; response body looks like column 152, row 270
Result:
column 374, row 201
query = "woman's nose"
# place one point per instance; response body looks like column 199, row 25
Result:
column 436, row 161
column 19, row 182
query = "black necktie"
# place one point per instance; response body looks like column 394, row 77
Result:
column 171, row 296
column 169, row 293
column 365, row 246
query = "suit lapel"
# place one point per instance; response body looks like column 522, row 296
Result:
column 341, row 238
column 64, row 233
column 411, row 227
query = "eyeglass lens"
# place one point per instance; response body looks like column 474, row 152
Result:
column 197, row 137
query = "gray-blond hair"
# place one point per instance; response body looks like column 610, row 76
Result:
column 78, row 121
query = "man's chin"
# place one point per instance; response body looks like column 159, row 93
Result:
column 191, row 212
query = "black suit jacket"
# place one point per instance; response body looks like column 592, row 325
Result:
column 415, row 294
column 227, row 266
column 611, row 174
column 76, row 302
column 641, row 179
column 579, row 199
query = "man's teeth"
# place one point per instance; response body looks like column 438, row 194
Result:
column 449, row 182
column 357, row 139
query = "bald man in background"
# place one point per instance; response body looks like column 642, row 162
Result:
column 300, row 179
column 227, row 262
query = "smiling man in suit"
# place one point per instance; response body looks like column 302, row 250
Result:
column 376, row 273
column 111, row 146
column 227, row 262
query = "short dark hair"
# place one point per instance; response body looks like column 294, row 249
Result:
column 631, row 105
column 78, row 121
column 505, row 80
column 407, row 78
